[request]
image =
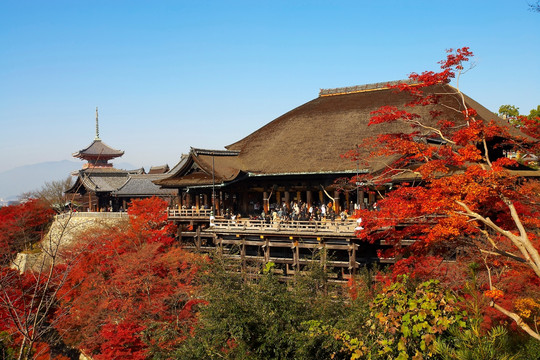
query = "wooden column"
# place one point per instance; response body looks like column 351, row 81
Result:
column 321, row 197
column 361, row 195
column 298, row 196
column 198, row 237
column 278, row 198
column 266, row 251
column 336, row 202
column 197, row 202
column 205, row 201
column 287, row 199
column 266, row 201
column 309, row 197
column 89, row 201
column 371, row 198
column 243, row 254
column 296, row 256
column 352, row 257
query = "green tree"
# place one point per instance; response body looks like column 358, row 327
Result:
column 262, row 318
column 535, row 113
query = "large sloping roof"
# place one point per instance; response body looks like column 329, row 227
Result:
column 311, row 137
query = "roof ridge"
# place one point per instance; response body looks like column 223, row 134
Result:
column 362, row 88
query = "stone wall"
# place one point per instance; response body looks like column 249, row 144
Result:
column 64, row 232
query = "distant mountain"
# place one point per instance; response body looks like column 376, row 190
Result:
column 21, row 179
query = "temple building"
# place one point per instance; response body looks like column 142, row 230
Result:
column 298, row 156
column 101, row 187
column 226, row 196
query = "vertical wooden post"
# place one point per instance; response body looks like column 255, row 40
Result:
column 197, row 202
column 278, row 198
column 266, row 251
column 321, row 197
column 198, row 237
column 352, row 257
column 243, row 254
column 287, row 199
column 309, row 197
column 298, row 196
column 296, row 256
column 336, row 202
column 266, row 201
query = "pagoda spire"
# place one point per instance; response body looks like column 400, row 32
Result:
column 97, row 125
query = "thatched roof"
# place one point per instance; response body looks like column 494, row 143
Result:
column 311, row 137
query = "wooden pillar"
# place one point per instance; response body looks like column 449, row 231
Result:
column 371, row 198
column 362, row 195
column 266, row 202
column 198, row 238
column 336, row 202
column 245, row 202
column 322, row 249
column 352, row 257
column 347, row 201
column 278, row 198
column 243, row 254
column 309, row 198
column 266, row 251
column 287, row 199
column 89, row 201
column 188, row 200
column 205, row 201
column 321, row 197
column 296, row 256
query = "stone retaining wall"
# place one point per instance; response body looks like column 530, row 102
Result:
column 63, row 233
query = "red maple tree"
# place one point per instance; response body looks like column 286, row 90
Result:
column 132, row 293
column 459, row 195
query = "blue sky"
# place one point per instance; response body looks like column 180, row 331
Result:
column 167, row 75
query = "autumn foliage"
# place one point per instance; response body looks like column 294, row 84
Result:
column 132, row 293
column 458, row 197
column 21, row 226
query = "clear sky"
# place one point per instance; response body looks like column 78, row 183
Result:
column 167, row 75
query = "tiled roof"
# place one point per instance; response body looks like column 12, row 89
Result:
column 142, row 185
column 98, row 149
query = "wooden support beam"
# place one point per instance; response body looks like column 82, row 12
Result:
column 198, row 237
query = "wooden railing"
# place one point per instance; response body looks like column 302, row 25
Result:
column 346, row 226
column 175, row 213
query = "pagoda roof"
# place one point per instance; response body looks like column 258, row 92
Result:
column 98, row 149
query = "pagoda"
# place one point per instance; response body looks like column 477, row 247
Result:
column 101, row 187
column 98, row 154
